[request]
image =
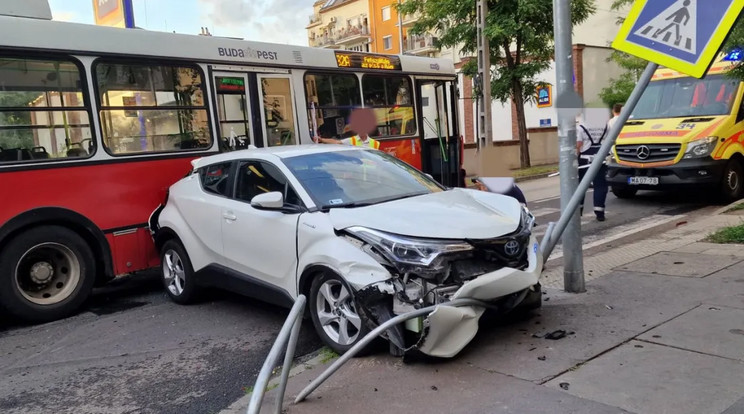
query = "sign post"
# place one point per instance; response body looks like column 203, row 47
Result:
column 688, row 42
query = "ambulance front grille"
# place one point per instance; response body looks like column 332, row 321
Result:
column 645, row 153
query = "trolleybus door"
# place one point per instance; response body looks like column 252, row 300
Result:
column 233, row 110
column 438, row 120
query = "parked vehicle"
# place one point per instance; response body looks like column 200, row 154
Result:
column 684, row 133
column 362, row 234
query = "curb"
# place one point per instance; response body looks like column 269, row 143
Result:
column 315, row 359
column 534, row 177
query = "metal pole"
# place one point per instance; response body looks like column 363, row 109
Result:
column 400, row 28
column 604, row 150
column 374, row 334
column 264, row 375
column 484, row 132
column 573, row 264
column 288, row 357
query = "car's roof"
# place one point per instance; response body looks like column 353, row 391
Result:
column 286, row 151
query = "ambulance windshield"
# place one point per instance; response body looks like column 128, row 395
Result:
column 685, row 97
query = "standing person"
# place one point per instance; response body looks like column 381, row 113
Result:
column 362, row 121
column 588, row 148
column 616, row 109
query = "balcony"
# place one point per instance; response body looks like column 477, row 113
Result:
column 410, row 19
column 315, row 20
column 353, row 34
column 326, row 42
column 420, row 45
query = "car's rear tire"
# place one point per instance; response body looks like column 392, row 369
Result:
column 333, row 310
column 624, row 191
column 177, row 273
column 732, row 184
column 46, row 273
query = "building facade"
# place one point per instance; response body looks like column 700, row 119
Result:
column 341, row 24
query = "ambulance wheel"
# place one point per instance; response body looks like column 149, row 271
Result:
column 46, row 273
column 624, row 191
column 731, row 182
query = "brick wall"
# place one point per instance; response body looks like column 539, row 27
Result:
column 466, row 95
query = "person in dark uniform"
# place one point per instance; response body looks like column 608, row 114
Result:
column 588, row 147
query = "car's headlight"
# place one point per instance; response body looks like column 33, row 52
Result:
column 701, row 148
column 409, row 250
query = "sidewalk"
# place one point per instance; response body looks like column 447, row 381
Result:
column 660, row 330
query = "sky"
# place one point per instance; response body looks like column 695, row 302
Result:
column 275, row 21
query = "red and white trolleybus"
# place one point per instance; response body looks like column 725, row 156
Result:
column 97, row 122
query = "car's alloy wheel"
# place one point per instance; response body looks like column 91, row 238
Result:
column 334, row 313
column 178, row 275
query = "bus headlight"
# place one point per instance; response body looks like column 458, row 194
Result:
column 701, row 148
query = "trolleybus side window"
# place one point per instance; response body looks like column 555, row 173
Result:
column 391, row 99
column 334, row 97
column 43, row 113
column 151, row 108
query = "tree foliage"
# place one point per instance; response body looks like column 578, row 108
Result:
column 520, row 35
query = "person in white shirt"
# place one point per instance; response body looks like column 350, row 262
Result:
column 588, row 146
column 616, row 109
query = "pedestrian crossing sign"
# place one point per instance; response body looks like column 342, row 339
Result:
column 684, row 35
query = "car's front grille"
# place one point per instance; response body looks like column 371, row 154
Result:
column 645, row 153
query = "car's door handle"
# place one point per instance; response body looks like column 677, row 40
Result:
column 229, row 216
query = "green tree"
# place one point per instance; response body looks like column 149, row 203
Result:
column 520, row 34
column 736, row 40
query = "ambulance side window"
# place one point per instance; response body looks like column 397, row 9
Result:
column 740, row 114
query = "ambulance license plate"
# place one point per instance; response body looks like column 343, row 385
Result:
column 643, row 180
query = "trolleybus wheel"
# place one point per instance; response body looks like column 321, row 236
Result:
column 46, row 273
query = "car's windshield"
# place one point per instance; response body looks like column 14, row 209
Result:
column 357, row 178
column 686, row 97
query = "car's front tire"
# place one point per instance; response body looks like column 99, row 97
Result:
column 333, row 310
column 177, row 273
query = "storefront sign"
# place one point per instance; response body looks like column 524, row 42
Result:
column 544, row 96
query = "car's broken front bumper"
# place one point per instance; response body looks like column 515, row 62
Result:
column 448, row 329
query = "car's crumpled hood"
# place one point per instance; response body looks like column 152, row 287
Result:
column 454, row 214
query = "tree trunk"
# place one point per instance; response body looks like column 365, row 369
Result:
column 524, row 145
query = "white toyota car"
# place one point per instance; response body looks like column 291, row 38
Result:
column 363, row 235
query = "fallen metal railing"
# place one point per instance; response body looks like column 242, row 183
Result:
column 374, row 334
column 288, row 335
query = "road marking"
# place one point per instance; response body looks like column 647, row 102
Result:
column 539, row 212
column 675, row 27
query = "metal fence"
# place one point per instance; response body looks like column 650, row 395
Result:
column 288, row 336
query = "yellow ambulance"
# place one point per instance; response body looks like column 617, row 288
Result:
column 684, row 133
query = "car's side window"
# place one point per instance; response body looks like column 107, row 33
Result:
column 214, row 178
column 257, row 177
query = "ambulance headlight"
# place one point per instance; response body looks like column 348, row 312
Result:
column 701, row 148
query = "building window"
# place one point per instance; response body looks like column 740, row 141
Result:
column 386, row 13
column 387, row 42
column 43, row 110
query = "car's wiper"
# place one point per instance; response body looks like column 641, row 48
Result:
column 371, row 202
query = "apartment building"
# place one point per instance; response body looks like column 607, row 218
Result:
column 341, row 24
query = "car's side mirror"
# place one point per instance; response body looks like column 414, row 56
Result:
column 268, row 201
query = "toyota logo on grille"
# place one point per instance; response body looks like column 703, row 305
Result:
column 511, row 248
column 643, row 152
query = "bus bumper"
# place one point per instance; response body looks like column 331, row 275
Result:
column 684, row 174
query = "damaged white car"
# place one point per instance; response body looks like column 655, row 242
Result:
column 363, row 235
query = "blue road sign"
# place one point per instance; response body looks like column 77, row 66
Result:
column 681, row 34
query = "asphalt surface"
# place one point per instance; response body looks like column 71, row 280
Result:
column 131, row 350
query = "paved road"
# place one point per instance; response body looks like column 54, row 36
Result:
column 647, row 208
column 133, row 351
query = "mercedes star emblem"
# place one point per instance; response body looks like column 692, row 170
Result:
column 643, row 152
column 511, row 248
